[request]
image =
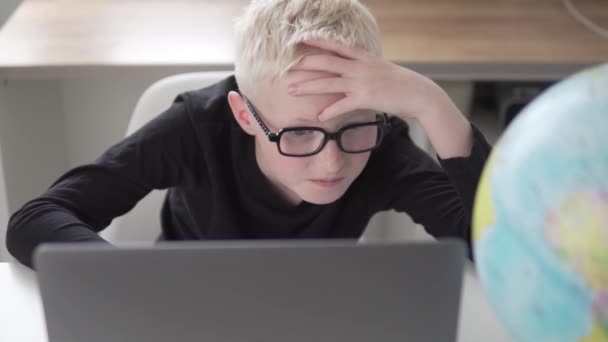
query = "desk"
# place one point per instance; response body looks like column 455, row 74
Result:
column 443, row 38
column 22, row 319
column 21, row 315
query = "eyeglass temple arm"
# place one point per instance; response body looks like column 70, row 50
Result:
column 271, row 135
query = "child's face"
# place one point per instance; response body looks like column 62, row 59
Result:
column 321, row 178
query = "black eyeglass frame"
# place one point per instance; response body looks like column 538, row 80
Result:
column 382, row 122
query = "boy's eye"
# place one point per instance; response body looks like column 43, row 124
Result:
column 303, row 132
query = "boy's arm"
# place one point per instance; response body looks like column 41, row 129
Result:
column 439, row 197
column 84, row 201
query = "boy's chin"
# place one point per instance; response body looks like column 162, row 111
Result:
column 319, row 198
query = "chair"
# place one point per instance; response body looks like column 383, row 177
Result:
column 142, row 223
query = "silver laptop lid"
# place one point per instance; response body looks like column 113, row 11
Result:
column 252, row 291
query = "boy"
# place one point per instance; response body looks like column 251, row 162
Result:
column 295, row 145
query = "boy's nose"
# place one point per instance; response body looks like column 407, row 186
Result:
column 331, row 157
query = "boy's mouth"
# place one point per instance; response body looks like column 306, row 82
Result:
column 327, row 182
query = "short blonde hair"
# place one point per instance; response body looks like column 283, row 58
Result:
column 269, row 35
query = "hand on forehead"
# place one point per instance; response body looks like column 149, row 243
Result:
column 284, row 108
column 367, row 82
column 287, row 110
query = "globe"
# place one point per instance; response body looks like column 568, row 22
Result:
column 540, row 221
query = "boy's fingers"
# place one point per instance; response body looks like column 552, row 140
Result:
column 327, row 85
column 340, row 49
column 328, row 63
column 338, row 108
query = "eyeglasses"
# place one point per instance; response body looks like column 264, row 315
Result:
column 307, row 141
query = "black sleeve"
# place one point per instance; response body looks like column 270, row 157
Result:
column 87, row 198
column 439, row 197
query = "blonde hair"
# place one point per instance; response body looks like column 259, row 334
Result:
column 269, row 35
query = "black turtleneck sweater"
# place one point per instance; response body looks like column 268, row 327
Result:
column 197, row 151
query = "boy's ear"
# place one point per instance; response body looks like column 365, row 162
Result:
column 241, row 112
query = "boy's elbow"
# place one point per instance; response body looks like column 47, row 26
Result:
column 11, row 237
column 17, row 243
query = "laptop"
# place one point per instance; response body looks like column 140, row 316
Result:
column 252, row 291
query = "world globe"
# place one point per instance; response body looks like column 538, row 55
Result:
column 540, row 221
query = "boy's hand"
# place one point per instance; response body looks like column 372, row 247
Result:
column 367, row 81
column 370, row 82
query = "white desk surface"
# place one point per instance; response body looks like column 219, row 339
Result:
column 22, row 317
